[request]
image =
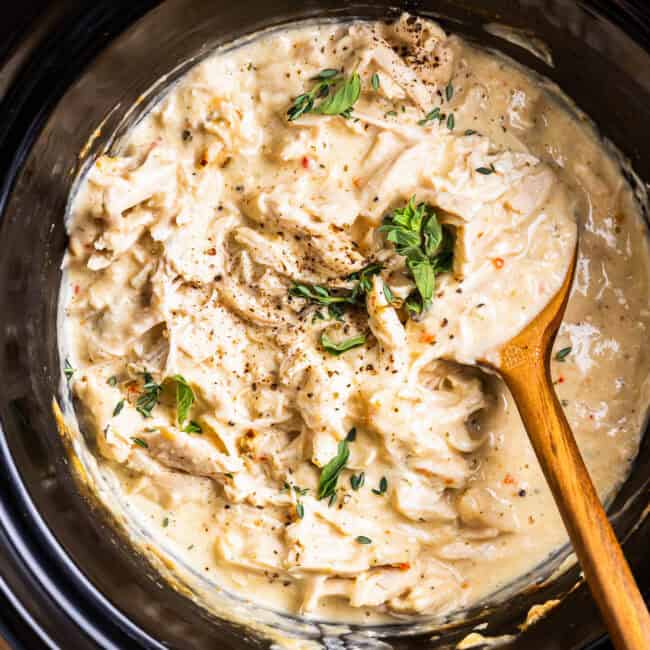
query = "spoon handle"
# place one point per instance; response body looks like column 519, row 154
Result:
column 594, row 541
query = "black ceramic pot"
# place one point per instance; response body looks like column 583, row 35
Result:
column 69, row 579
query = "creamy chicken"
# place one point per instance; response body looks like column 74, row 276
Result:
column 270, row 282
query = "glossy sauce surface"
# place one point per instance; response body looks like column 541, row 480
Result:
column 186, row 251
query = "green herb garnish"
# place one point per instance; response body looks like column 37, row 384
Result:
column 383, row 486
column 486, row 170
column 425, row 243
column 339, row 347
column 184, row 398
column 432, row 115
column 451, row 121
column 165, row 522
column 337, row 302
column 342, row 101
column 352, row 435
column 413, row 304
column 317, row 294
column 112, row 380
column 149, row 397
column 193, row 427
column 335, row 312
column 328, row 73
column 388, row 294
column 305, row 103
column 470, row 132
column 329, row 475
column 374, row 80
column 362, row 539
column 348, row 90
column 449, row 91
column 357, row 480
column 563, row 354
column 300, row 510
column 390, row 114
column 68, row 370
column 118, row 408
column 364, row 279
column 140, row 442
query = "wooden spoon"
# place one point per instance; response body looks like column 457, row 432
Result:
column 524, row 364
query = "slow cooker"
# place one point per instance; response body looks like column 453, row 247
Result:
column 68, row 578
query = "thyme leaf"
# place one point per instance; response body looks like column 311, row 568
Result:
column 449, row 91
column 150, row 396
column 425, row 243
column 193, row 427
column 383, row 486
column 339, row 347
column 330, row 473
column 118, row 408
column 337, row 302
column 388, row 294
column 432, row 115
column 184, row 398
column 357, row 480
column 68, row 370
column 340, row 102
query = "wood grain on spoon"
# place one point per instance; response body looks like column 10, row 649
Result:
column 524, row 364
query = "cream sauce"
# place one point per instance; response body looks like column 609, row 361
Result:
column 185, row 245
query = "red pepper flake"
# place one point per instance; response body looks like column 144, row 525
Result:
column 427, row 338
column 203, row 162
column 560, row 379
column 498, row 262
column 77, row 289
column 305, row 162
column 403, row 566
column 211, row 251
column 508, row 479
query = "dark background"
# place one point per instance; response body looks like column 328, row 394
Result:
column 15, row 20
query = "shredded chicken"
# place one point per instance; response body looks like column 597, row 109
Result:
column 222, row 251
